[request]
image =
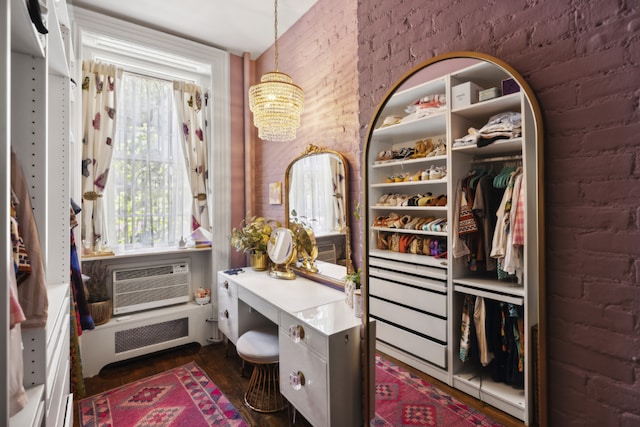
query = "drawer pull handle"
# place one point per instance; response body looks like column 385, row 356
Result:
column 225, row 285
column 296, row 333
column 296, row 380
column 224, row 314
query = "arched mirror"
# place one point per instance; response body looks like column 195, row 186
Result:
column 316, row 195
column 453, row 242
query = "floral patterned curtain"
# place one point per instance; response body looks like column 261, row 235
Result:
column 99, row 82
column 188, row 100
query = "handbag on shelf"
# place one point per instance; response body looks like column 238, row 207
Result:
column 467, row 223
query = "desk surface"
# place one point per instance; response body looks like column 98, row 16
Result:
column 318, row 305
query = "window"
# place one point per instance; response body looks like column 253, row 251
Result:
column 147, row 197
column 151, row 53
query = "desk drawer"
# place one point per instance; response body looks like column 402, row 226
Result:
column 312, row 338
column 311, row 399
column 414, row 320
column 227, row 291
column 228, row 308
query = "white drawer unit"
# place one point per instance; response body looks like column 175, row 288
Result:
column 319, row 341
column 411, row 319
column 426, row 349
column 235, row 317
column 304, row 335
column 303, row 379
column 431, row 302
column 50, row 365
column 320, row 364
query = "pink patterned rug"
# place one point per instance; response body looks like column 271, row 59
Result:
column 403, row 399
column 182, row 396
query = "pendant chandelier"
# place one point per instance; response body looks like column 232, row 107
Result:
column 276, row 103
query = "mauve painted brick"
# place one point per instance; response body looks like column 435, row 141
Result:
column 568, row 61
column 594, row 361
column 604, row 241
column 590, row 116
column 623, row 294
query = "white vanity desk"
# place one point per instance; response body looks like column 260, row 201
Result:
column 319, row 340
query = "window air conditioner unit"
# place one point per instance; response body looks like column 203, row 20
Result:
column 146, row 287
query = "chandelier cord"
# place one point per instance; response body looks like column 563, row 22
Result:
column 275, row 30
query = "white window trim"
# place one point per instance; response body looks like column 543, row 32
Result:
column 219, row 128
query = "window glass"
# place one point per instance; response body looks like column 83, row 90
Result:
column 147, row 195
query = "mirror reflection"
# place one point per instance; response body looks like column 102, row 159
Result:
column 282, row 252
column 316, row 191
column 452, row 154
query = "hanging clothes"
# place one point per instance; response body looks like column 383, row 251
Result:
column 17, row 394
column 465, row 328
column 86, row 321
column 508, row 256
column 518, row 223
column 513, row 264
column 458, row 245
column 479, row 320
column 32, row 288
column 486, row 203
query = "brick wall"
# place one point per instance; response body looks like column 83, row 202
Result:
column 320, row 54
column 581, row 59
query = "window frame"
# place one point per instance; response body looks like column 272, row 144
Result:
column 207, row 66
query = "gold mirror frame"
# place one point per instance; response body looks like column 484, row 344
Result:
column 369, row 347
column 281, row 261
column 313, row 150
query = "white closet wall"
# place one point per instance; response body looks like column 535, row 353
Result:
column 34, row 118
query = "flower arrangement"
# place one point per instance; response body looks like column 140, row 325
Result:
column 354, row 277
column 202, row 293
column 203, row 296
column 253, row 235
column 351, row 283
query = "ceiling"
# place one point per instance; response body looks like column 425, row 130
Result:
column 237, row 26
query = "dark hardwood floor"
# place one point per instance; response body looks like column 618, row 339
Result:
column 223, row 366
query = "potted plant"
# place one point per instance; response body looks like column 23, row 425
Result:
column 351, row 284
column 252, row 237
column 95, row 287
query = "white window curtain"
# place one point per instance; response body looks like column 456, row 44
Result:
column 148, row 198
column 314, row 194
column 189, row 105
column 99, row 83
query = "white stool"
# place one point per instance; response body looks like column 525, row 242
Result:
column 260, row 348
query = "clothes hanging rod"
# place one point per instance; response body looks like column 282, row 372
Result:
column 497, row 159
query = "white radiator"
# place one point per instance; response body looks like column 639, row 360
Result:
column 151, row 286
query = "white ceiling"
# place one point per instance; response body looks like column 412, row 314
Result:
column 234, row 25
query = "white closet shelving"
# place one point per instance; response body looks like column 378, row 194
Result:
column 416, row 299
column 34, row 119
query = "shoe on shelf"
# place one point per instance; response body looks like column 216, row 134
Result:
column 423, row 148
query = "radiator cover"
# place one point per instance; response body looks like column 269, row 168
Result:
column 146, row 287
column 148, row 335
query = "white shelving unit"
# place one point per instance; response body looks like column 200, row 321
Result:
column 416, row 299
column 34, row 119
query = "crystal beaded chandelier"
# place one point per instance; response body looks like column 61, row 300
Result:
column 276, row 103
